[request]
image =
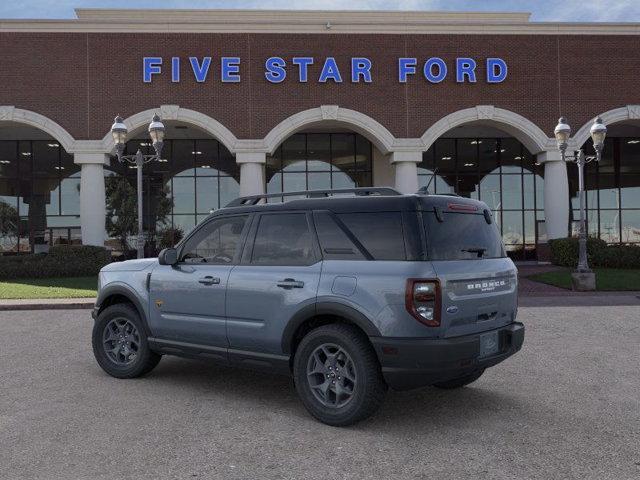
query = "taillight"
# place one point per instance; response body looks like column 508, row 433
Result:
column 422, row 299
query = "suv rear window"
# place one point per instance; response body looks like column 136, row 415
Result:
column 462, row 236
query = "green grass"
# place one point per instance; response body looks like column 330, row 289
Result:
column 73, row 287
column 607, row 279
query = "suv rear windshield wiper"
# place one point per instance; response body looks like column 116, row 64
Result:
column 479, row 250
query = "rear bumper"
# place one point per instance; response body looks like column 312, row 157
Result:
column 412, row 363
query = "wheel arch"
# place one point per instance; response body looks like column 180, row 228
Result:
column 323, row 313
column 116, row 294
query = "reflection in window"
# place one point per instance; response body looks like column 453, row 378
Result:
column 193, row 178
column 320, row 161
column 39, row 196
column 612, row 191
column 498, row 171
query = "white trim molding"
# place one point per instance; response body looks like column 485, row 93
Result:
column 312, row 21
column 374, row 131
column 9, row 113
column 512, row 123
column 177, row 113
column 617, row 115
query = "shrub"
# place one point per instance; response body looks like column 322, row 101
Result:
column 564, row 252
column 61, row 261
column 169, row 237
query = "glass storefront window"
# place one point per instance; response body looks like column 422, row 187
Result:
column 320, row 161
column 498, row 171
column 193, row 178
column 612, row 191
column 39, row 192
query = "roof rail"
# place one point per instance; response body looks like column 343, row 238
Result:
column 365, row 192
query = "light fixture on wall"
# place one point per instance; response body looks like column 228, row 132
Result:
column 562, row 133
column 156, row 131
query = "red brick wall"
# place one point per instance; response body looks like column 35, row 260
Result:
column 82, row 80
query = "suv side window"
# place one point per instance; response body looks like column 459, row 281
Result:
column 380, row 233
column 283, row 239
column 216, row 243
column 334, row 242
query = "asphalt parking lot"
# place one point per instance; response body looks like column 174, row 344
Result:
column 567, row 406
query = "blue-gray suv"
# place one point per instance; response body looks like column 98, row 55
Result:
column 349, row 291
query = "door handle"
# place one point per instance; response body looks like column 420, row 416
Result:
column 289, row 283
column 209, row 280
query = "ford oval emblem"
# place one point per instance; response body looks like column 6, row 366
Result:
column 452, row 309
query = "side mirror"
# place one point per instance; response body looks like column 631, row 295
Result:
column 168, row 256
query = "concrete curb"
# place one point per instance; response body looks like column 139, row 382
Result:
column 47, row 304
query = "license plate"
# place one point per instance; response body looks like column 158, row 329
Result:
column 489, row 344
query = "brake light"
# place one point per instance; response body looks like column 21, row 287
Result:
column 422, row 300
column 461, row 207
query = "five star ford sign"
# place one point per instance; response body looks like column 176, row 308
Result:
column 361, row 69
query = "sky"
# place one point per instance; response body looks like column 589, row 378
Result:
column 542, row 10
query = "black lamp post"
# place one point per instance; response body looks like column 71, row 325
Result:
column 156, row 132
column 598, row 133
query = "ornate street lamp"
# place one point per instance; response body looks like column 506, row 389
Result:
column 598, row 133
column 156, row 132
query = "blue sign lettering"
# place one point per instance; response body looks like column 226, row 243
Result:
column 175, row 69
column 275, row 69
column 330, row 71
column 150, row 66
column 465, row 67
column 406, row 66
column 303, row 67
column 496, row 70
column 434, row 69
column 230, row 69
column 360, row 67
column 200, row 71
column 428, row 70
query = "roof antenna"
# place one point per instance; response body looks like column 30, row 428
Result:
column 425, row 190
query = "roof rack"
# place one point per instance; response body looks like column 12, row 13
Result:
column 360, row 192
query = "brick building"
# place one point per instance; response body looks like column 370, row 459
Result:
column 258, row 101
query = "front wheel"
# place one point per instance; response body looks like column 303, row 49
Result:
column 337, row 375
column 120, row 343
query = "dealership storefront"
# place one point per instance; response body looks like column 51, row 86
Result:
column 272, row 102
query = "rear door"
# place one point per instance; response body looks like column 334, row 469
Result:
column 478, row 282
column 188, row 299
column 277, row 277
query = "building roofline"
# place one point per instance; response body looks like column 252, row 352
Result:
column 310, row 21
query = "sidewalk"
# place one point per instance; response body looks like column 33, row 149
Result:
column 47, row 304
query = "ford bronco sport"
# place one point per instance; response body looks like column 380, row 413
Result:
column 348, row 294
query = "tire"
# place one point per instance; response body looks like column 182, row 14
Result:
column 460, row 381
column 133, row 357
column 360, row 378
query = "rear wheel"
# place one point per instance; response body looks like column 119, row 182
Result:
column 337, row 375
column 120, row 343
column 460, row 381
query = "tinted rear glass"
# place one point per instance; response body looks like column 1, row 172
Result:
column 462, row 236
column 380, row 233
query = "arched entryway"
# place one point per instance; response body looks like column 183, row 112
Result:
column 325, row 148
column 490, row 154
column 612, row 185
column 196, row 175
column 39, row 184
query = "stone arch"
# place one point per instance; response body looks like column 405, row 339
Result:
column 374, row 131
column 528, row 133
column 617, row 115
column 177, row 113
column 10, row 113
